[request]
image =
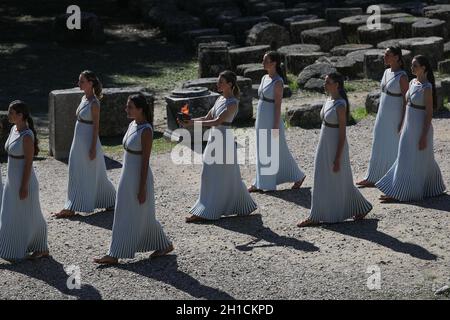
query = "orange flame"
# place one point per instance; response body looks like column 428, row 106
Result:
column 185, row 109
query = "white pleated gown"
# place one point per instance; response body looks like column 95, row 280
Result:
column 385, row 133
column 288, row 170
column 415, row 174
column 23, row 228
column 222, row 191
column 334, row 196
column 1, row 189
column 135, row 228
column 89, row 187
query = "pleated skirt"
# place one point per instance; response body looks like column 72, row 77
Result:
column 135, row 228
column 415, row 174
column 1, row 190
column 385, row 137
column 89, row 187
column 288, row 170
column 334, row 196
column 222, row 191
column 23, row 228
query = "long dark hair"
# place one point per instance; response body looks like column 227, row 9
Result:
column 397, row 51
column 276, row 57
column 96, row 84
column 140, row 102
column 424, row 62
column 230, row 77
column 339, row 79
column 20, row 107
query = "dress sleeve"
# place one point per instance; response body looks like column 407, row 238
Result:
column 340, row 103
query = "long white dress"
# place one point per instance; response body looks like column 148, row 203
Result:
column 415, row 174
column 385, row 133
column 334, row 196
column 89, row 187
column 23, row 228
column 222, row 191
column 288, row 170
column 135, row 228
column 1, row 189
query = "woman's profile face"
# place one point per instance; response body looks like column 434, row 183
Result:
column 267, row 62
column 416, row 68
column 13, row 116
column 330, row 85
column 131, row 109
column 83, row 83
column 222, row 84
column 389, row 57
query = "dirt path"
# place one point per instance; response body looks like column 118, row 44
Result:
column 264, row 256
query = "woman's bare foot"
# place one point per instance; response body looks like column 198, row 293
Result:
column 38, row 255
column 160, row 253
column 106, row 260
column 386, row 199
column 194, row 218
column 64, row 214
column 298, row 184
column 306, row 223
column 360, row 216
column 253, row 189
column 365, row 184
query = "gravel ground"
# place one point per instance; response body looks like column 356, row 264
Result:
column 263, row 256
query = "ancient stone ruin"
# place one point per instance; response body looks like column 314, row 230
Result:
column 313, row 39
column 62, row 119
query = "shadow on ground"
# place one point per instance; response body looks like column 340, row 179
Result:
column 368, row 230
column 441, row 203
column 301, row 197
column 253, row 225
column 52, row 273
column 165, row 269
column 102, row 219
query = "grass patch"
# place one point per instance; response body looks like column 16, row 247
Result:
column 162, row 145
column 361, row 85
column 164, row 75
column 358, row 114
column 113, row 145
column 287, row 125
column 446, row 104
column 292, row 82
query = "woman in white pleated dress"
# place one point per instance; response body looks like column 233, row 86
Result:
column 1, row 189
column 334, row 196
column 23, row 229
column 269, row 130
column 222, row 191
column 415, row 174
column 89, row 187
column 389, row 121
column 135, row 228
